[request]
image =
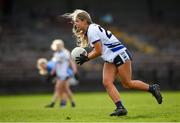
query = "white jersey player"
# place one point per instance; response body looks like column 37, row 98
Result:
column 63, row 63
column 117, row 58
column 62, row 58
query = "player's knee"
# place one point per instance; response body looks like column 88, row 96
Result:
column 127, row 85
column 107, row 84
column 57, row 88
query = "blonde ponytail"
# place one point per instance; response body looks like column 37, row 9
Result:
column 79, row 35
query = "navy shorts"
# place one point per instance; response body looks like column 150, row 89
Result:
column 122, row 58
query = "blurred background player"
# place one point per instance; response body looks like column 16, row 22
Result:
column 46, row 68
column 117, row 59
column 63, row 62
column 50, row 68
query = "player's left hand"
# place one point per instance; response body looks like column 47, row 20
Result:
column 80, row 60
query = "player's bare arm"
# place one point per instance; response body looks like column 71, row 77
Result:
column 96, row 51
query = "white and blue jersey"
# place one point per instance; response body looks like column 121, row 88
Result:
column 61, row 59
column 70, row 72
column 111, row 46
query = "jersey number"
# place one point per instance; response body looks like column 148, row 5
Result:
column 108, row 33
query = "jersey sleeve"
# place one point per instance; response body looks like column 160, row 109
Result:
column 50, row 66
column 93, row 35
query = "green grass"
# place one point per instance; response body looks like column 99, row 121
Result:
column 91, row 107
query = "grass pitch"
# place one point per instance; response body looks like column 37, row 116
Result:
column 90, row 107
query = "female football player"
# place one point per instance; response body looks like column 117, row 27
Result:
column 63, row 61
column 62, row 71
column 116, row 56
column 47, row 68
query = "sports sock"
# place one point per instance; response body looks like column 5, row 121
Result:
column 150, row 89
column 119, row 104
column 62, row 103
